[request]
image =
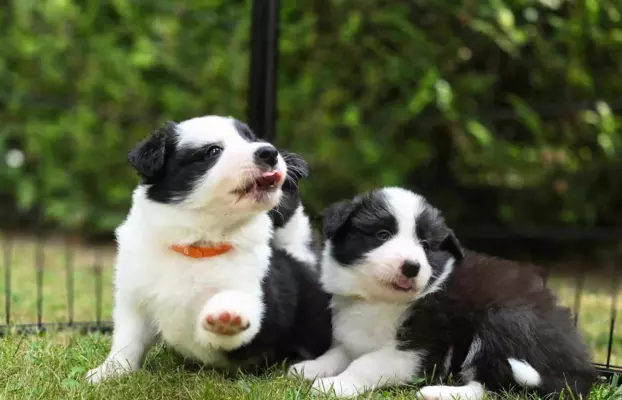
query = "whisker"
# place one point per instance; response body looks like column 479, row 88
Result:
column 293, row 182
column 295, row 169
column 276, row 210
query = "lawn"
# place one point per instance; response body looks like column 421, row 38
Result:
column 52, row 366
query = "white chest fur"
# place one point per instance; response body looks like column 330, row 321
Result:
column 171, row 290
column 362, row 327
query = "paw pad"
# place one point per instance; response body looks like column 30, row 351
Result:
column 225, row 323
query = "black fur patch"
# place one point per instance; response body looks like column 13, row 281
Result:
column 149, row 156
column 184, row 167
column 430, row 227
column 357, row 226
column 508, row 307
column 297, row 169
column 297, row 320
column 245, row 131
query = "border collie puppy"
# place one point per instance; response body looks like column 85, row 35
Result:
column 196, row 265
column 408, row 302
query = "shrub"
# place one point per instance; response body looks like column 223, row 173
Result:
column 500, row 111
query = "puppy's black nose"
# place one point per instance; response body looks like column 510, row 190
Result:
column 266, row 155
column 410, row 269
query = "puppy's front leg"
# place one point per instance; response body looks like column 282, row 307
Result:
column 133, row 335
column 385, row 367
column 230, row 319
column 331, row 363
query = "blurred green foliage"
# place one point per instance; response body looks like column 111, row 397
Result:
column 501, row 112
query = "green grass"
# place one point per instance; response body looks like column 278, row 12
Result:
column 53, row 366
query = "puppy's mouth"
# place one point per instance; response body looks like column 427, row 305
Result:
column 403, row 284
column 264, row 184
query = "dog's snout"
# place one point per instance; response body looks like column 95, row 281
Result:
column 266, row 155
column 410, row 269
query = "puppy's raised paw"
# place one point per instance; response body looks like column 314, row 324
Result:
column 223, row 322
column 233, row 316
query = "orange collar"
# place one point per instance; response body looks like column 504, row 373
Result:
column 202, row 252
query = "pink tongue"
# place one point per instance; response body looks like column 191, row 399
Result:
column 269, row 178
column 404, row 283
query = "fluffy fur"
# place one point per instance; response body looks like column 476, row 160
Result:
column 293, row 232
column 408, row 302
column 206, row 181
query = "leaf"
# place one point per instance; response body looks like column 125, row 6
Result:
column 68, row 383
column 424, row 94
column 444, row 95
column 76, row 372
column 479, row 132
column 528, row 117
column 351, row 116
column 506, row 18
column 606, row 144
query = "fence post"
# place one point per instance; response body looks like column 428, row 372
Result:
column 613, row 313
column 263, row 70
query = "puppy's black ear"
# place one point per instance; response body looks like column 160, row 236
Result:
column 336, row 215
column 149, row 155
column 297, row 167
column 453, row 246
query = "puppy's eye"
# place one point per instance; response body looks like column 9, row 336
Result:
column 214, row 151
column 383, row 235
column 424, row 243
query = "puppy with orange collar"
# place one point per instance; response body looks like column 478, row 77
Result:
column 198, row 263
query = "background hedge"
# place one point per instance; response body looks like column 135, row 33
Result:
column 502, row 112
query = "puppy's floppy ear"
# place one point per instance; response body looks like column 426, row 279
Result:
column 453, row 246
column 297, row 167
column 149, row 155
column 336, row 215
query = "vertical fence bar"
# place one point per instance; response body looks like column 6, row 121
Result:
column 263, row 73
column 39, row 266
column 97, row 270
column 7, row 251
column 578, row 295
column 614, row 310
column 69, row 282
column 40, row 244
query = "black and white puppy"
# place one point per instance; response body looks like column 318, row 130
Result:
column 409, row 302
column 197, row 264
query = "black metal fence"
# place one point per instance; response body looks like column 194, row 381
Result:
column 35, row 273
column 55, row 285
